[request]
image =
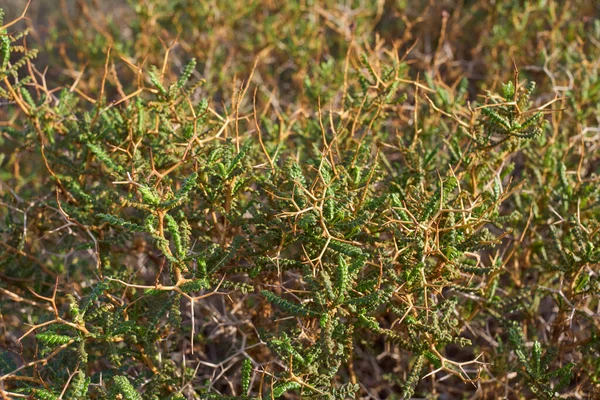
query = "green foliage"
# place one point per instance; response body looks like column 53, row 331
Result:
column 246, row 376
column 293, row 200
column 286, row 305
column 122, row 388
column 51, row 339
column 542, row 381
column 79, row 386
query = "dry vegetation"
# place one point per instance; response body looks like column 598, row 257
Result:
column 299, row 199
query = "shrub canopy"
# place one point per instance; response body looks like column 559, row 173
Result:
column 328, row 200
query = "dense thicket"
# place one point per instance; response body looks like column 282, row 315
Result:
column 329, row 200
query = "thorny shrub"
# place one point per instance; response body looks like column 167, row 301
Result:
column 301, row 200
